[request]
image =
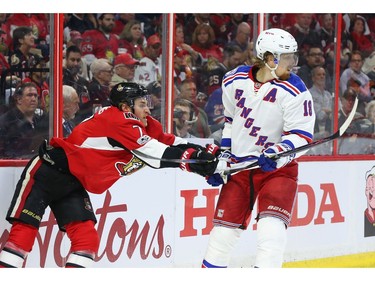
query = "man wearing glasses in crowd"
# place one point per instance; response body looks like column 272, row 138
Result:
column 124, row 68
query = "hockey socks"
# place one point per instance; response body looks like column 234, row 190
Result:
column 271, row 243
column 12, row 256
column 80, row 259
column 85, row 243
column 221, row 243
column 20, row 242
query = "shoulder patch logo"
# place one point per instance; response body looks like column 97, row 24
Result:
column 143, row 139
column 129, row 115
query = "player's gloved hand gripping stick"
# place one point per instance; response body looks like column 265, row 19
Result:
column 270, row 161
column 219, row 178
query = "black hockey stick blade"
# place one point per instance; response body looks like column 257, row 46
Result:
column 336, row 135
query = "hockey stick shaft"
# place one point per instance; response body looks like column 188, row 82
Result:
column 194, row 161
column 336, row 135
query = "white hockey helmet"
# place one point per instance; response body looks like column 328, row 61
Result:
column 276, row 41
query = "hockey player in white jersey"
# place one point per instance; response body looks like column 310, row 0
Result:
column 268, row 110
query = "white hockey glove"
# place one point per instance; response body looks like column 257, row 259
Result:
column 268, row 161
column 218, row 178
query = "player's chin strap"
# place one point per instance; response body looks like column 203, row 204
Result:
column 273, row 70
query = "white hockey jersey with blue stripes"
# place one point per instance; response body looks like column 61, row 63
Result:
column 258, row 115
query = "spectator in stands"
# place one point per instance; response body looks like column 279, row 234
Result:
column 215, row 110
column 188, row 91
column 38, row 23
column 347, row 102
column 124, row 67
column 154, row 89
column 368, row 66
column 363, row 98
column 203, row 42
column 132, row 39
column 283, row 21
column 99, row 86
column 192, row 22
column 23, row 44
column 305, row 36
column 149, row 69
column 39, row 76
column 323, row 103
column 235, row 20
column 214, row 106
column 183, row 118
column 182, row 66
column 180, row 42
column 72, row 77
column 359, row 80
column 326, row 35
column 74, row 38
column 350, row 143
column 22, row 128
column 82, row 22
column 8, row 82
column 361, row 42
column 370, row 115
column 70, row 108
column 315, row 57
column 121, row 20
column 5, row 37
column 250, row 56
column 368, row 129
column 214, row 72
column 101, row 42
column 220, row 22
column 242, row 37
column 348, row 23
column 354, row 71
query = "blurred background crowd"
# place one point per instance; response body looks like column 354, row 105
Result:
column 100, row 50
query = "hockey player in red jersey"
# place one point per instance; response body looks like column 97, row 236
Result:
column 268, row 110
column 118, row 140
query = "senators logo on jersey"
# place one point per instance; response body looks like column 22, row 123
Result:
column 133, row 165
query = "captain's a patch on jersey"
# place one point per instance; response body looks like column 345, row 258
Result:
column 143, row 139
column 129, row 115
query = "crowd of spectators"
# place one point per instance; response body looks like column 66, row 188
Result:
column 101, row 50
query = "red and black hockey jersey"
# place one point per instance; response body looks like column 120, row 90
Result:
column 99, row 148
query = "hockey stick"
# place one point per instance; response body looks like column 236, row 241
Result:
column 143, row 155
column 336, row 135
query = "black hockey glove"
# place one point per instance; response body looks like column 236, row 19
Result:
column 219, row 178
column 203, row 169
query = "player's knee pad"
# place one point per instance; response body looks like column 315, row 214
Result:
column 271, row 242
column 221, row 243
column 19, row 244
column 85, row 243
